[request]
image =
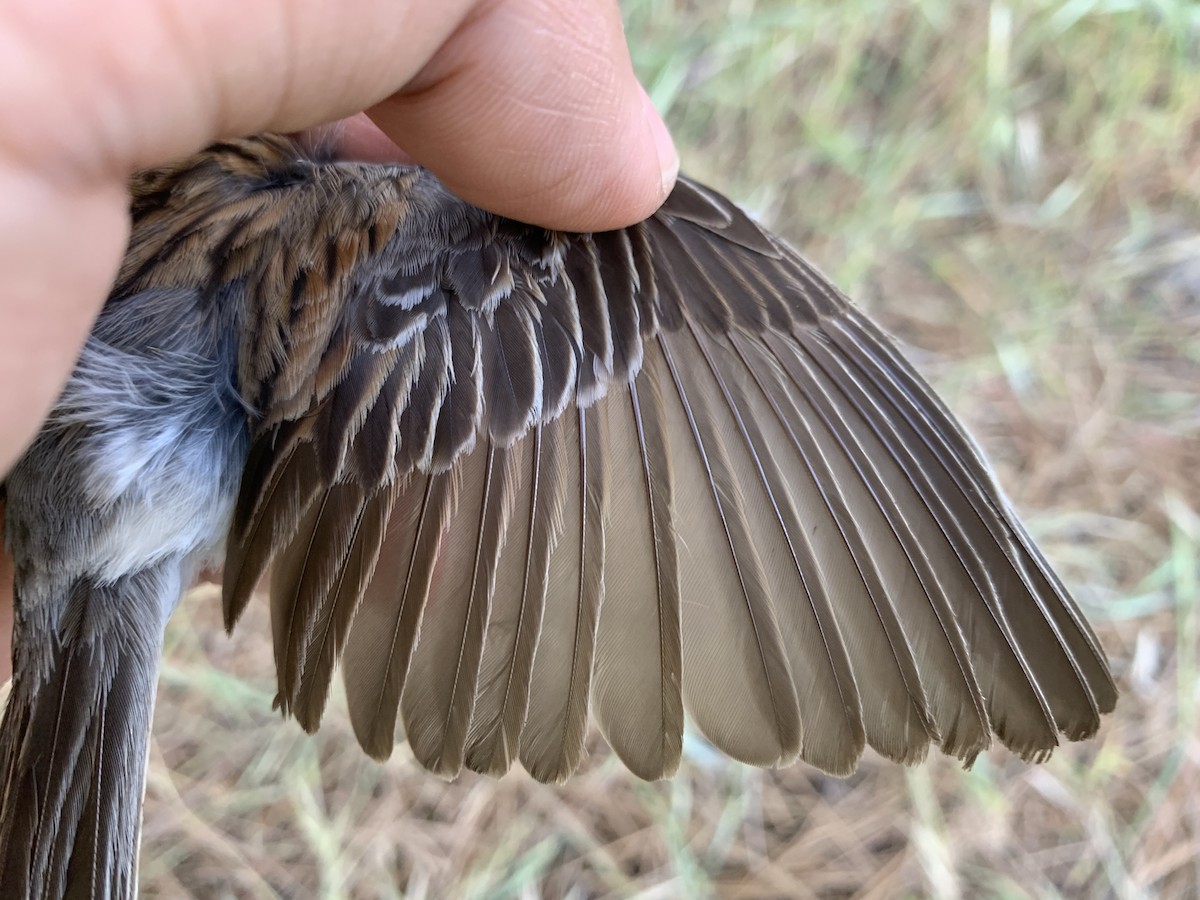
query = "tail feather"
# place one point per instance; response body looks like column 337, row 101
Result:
column 75, row 733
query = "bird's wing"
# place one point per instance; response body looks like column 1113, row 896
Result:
column 671, row 468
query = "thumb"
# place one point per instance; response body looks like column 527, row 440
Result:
column 532, row 110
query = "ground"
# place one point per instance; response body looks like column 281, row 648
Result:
column 1012, row 188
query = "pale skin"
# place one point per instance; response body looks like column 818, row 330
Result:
column 529, row 108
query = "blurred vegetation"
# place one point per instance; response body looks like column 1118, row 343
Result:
column 1012, row 187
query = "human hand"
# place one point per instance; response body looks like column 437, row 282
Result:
column 527, row 107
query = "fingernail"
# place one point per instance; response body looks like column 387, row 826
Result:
column 668, row 157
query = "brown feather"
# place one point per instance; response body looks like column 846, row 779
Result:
column 638, row 650
column 517, row 598
column 895, row 708
column 333, row 619
column 307, row 569
column 989, row 543
column 738, row 685
column 270, row 505
column 560, row 683
column 384, row 631
column 512, row 372
column 892, row 541
column 822, row 670
column 437, row 702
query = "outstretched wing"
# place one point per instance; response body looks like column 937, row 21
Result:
column 530, row 475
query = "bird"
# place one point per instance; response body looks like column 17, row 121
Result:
column 509, row 481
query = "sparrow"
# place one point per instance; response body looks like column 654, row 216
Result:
column 507, row 480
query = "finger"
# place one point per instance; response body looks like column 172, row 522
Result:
column 528, row 107
column 59, row 251
column 532, row 110
column 355, row 138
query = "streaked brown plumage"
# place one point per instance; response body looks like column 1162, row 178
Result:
column 507, row 478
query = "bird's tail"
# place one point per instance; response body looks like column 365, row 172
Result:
column 75, row 735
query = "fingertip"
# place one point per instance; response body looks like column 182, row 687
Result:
column 542, row 123
column 597, row 185
column 618, row 182
column 355, row 138
column 664, row 146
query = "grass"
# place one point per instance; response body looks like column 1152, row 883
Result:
column 1013, row 189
